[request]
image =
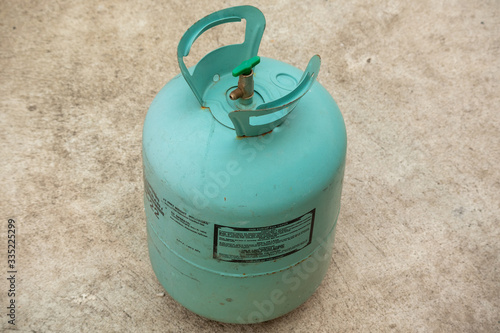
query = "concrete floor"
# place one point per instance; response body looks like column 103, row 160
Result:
column 418, row 240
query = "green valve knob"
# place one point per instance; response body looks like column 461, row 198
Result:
column 246, row 66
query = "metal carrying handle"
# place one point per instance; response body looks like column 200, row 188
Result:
column 224, row 59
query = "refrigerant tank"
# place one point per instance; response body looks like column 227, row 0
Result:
column 243, row 165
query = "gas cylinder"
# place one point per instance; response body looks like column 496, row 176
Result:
column 243, row 161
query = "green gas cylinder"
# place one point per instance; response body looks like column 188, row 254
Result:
column 243, row 162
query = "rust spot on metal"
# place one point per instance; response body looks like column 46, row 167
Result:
column 239, row 137
column 266, row 133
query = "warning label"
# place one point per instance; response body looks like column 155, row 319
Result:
column 264, row 243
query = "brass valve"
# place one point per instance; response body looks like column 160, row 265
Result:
column 245, row 88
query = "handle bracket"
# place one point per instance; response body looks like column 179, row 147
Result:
column 224, row 59
column 269, row 115
column 255, row 119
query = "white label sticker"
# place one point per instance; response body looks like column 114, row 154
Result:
column 265, row 243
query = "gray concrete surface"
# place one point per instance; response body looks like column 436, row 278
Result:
column 417, row 247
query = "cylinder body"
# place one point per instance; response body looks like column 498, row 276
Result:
column 240, row 230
